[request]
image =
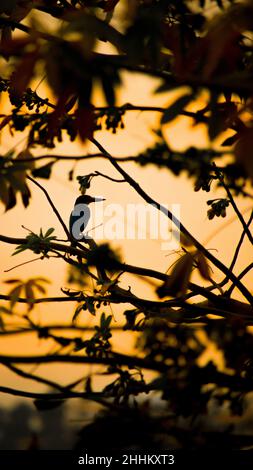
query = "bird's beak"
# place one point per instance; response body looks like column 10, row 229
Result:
column 99, row 199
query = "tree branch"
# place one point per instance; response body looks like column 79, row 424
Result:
column 42, row 329
column 54, row 396
column 73, row 157
column 42, row 300
column 54, row 245
column 127, row 268
column 115, row 358
column 52, row 205
column 25, row 29
column 241, row 275
column 237, row 250
column 233, row 204
column 35, row 378
column 180, row 226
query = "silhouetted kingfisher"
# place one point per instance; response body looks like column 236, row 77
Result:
column 80, row 216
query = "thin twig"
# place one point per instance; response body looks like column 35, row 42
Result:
column 52, row 205
column 236, row 253
column 36, row 378
column 241, row 275
column 73, row 157
column 137, row 270
column 128, row 268
column 233, row 204
column 120, row 359
column 178, row 224
column 23, row 300
column 115, row 180
column 54, row 396
column 231, row 267
column 22, row 264
column 44, row 328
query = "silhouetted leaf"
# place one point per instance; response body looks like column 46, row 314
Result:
column 90, row 305
column 203, row 266
column 244, row 152
column 49, row 232
column 165, row 87
column 44, row 171
column 77, row 312
column 26, row 194
column 215, row 122
column 47, row 404
column 108, row 89
column 178, row 280
column 12, row 200
column 23, row 73
column 230, row 140
column 110, row 5
column 85, row 122
column 14, row 295
column 176, row 108
column 29, row 293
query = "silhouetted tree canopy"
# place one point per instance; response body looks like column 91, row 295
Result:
column 195, row 49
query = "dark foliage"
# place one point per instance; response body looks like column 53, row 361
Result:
column 194, row 48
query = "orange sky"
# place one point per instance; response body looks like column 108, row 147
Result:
column 160, row 184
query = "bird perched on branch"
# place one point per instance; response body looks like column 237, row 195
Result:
column 80, row 216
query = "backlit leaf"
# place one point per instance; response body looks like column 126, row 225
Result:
column 203, row 266
column 178, row 280
column 14, row 295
